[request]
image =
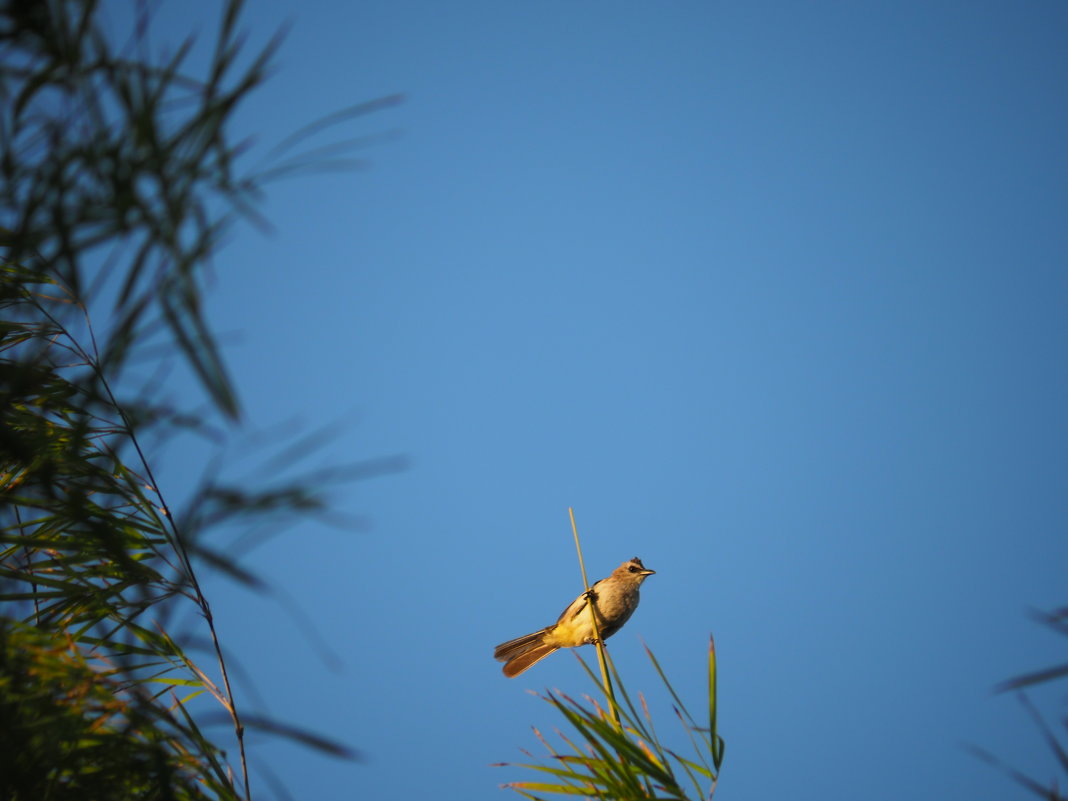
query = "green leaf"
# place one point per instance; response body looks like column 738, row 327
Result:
column 716, row 741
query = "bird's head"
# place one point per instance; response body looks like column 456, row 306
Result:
column 634, row 570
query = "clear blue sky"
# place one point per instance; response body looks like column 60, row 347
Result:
column 774, row 294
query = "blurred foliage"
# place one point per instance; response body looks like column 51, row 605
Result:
column 117, row 180
column 116, row 170
column 616, row 753
column 1056, row 620
column 73, row 730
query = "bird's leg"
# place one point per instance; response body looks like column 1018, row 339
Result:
column 591, row 598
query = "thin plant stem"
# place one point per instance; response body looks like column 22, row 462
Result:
column 29, row 568
column 183, row 555
column 598, row 640
column 93, row 361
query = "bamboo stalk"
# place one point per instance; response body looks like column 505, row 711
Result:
column 599, row 641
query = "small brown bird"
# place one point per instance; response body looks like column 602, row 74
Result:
column 616, row 598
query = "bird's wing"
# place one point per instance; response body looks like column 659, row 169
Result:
column 578, row 605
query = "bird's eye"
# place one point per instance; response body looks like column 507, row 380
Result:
column 633, row 569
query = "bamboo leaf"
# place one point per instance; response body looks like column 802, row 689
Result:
column 544, row 787
column 716, row 743
column 302, row 736
column 1029, row 679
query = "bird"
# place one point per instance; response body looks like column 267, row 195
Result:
column 616, row 598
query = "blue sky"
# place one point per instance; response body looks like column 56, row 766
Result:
column 772, row 293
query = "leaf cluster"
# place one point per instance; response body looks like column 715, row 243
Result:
column 614, row 751
column 116, row 169
column 74, row 728
column 1057, row 741
column 117, row 181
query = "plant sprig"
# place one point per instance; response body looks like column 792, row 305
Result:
column 617, row 753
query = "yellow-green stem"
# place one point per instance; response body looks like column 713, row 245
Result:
column 599, row 642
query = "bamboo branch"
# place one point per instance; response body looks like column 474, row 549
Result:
column 598, row 640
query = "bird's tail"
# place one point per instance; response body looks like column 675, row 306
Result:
column 522, row 652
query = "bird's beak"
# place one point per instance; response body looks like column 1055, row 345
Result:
column 648, row 572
